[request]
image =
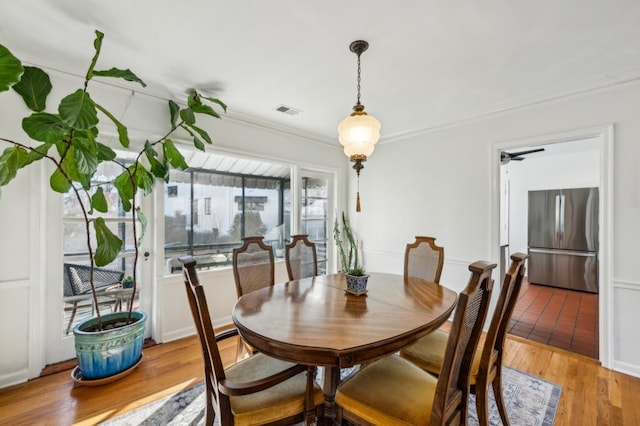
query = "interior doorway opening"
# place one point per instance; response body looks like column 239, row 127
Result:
column 555, row 316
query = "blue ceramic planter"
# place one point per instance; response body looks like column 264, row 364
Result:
column 356, row 284
column 106, row 353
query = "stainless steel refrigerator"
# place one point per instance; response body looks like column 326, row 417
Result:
column 563, row 238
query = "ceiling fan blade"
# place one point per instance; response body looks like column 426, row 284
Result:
column 529, row 151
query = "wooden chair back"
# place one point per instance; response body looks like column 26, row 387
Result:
column 253, row 266
column 424, row 259
column 489, row 371
column 301, row 258
column 452, row 389
column 217, row 403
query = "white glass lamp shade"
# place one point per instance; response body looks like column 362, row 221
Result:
column 359, row 134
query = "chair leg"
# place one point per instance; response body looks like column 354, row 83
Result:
column 497, row 393
column 482, row 403
column 210, row 413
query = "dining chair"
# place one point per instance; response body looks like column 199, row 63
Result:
column 394, row 391
column 257, row 390
column 429, row 352
column 301, row 258
column 424, row 259
column 253, row 265
column 253, row 269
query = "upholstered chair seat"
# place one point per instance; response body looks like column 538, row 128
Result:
column 391, row 391
column 283, row 400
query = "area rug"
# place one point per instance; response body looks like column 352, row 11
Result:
column 530, row 400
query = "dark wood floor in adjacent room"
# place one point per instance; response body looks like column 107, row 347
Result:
column 564, row 319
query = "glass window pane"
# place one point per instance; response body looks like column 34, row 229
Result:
column 314, row 216
column 207, row 214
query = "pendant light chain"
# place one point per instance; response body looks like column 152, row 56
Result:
column 358, row 103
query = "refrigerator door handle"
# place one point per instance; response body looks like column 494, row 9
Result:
column 562, row 203
column 557, row 222
column 565, row 252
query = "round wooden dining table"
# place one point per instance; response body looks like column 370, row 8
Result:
column 313, row 321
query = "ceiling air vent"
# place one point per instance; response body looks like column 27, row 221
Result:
column 288, row 110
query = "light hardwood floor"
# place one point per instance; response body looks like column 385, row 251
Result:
column 591, row 395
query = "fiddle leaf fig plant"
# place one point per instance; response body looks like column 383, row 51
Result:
column 69, row 138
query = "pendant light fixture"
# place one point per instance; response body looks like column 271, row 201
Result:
column 359, row 132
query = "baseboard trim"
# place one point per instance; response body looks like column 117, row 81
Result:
column 626, row 368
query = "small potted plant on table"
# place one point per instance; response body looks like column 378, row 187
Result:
column 351, row 261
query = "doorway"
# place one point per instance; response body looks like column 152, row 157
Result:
column 568, row 160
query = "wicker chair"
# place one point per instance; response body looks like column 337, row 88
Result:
column 394, row 391
column 424, row 259
column 77, row 284
column 256, row 390
column 253, row 269
column 301, row 258
column 429, row 352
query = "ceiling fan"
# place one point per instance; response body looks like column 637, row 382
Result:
column 505, row 156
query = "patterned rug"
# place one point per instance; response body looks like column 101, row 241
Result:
column 530, row 400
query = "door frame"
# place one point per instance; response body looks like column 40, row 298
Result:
column 605, row 273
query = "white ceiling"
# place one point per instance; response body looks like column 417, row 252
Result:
column 430, row 63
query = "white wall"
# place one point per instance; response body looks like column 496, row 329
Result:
column 440, row 184
column 29, row 255
column 576, row 170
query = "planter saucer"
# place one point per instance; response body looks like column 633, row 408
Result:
column 356, row 293
column 76, row 375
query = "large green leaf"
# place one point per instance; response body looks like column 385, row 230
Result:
column 118, row 73
column 34, row 87
column 205, row 109
column 38, row 153
column 143, row 224
column 58, row 182
column 171, row 154
column 157, row 168
column 143, row 178
column 194, row 101
column 122, row 130
column 10, row 69
column 105, row 153
column 216, row 101
column 44, row 127
column 73, row 169
column 125, row 188
column 203, row 133
column 77, row 110
column 99, row 201
column 97, row 45
column 187, row 115
column 12, row 159
column 174, row 110
column 108, row 244
column 196, row 141
column 85, row 156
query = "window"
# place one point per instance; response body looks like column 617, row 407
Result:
column 314, row 215
column 234, row 206
column 75, row 247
